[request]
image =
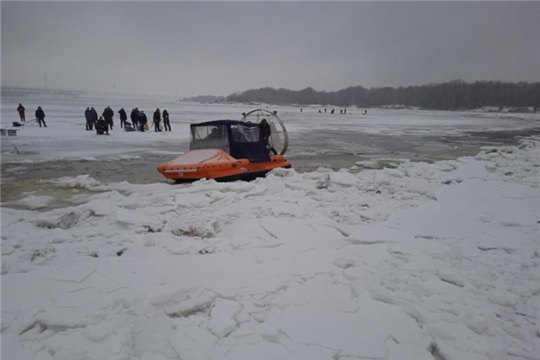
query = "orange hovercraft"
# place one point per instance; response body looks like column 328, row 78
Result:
column 229, row 150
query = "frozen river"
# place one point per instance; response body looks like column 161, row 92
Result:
column 333, row 141
column 435, row 258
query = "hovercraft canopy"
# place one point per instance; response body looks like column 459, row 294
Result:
column 241, row 140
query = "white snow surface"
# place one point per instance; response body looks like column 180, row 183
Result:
column 421, row 262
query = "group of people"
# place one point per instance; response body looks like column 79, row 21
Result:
column 91, row 118
column 341, row 111
column 102, row 123
column 105, row 122
column 139, row 121
column 40, row 115
column 157, row 120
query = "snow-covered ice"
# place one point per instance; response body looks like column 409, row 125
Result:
column 413, row 261
column 65, row 136
column 420, row 262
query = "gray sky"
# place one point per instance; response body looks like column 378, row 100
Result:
column 222, row 47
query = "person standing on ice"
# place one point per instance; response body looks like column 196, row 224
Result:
column 108, row 115
column 135, row 118
column 166, row 122
column 157, row 120
column 88, row 117
column 142, row 120
column 21, row 110
column 267, row 132
column 40, row 116
column 123, row 117
column 93, row 116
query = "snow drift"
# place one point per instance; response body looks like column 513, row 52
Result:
column 419, row 262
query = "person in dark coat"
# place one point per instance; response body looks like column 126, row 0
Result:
column 108, row 115
column 135, row 117
column 93, row 116
column 142, row 120
column 88, row 117
column 123, row 117
column 40, row 115
column 267, row 132
column 166, row 122
column 157, row 120
column 102, row 126
column 21, row 110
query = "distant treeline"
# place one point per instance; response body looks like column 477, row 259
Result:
column 454, row 95
column 206, row 99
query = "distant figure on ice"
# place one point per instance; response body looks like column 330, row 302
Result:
column 101, row 126
column 88, row 118
column 365, row 112
column 40, row 116
column 267, row 132
column 166, row 122
column 135, row 118
column 108, row 115
column 332, row 111
column 157, row 120
column 301, row 109
column 320, row 111
column 123, row 117
column 143, row 121
column 21, row 110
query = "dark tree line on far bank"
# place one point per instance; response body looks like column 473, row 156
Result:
column 454, row 95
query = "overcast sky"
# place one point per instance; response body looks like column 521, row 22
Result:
column 222, row 47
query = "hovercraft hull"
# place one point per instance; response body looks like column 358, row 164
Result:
column 218, row 165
